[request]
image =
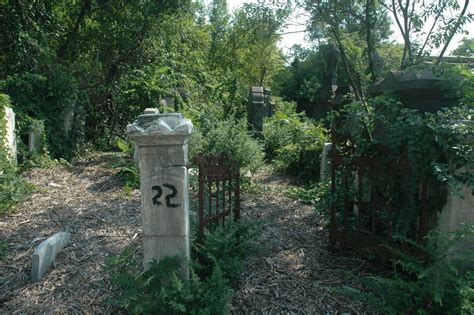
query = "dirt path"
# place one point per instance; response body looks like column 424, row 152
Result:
column 297, row 274
column 294, row 275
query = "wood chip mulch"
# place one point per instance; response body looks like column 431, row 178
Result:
column 297, row 274
column 294, row 274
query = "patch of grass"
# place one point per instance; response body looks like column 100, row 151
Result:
column 251, row 187
column 3, row 251
column 13, row 189
column 315, row 194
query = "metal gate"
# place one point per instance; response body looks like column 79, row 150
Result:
column 368, row 192
column 219, row 192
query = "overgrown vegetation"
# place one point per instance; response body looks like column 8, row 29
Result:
column 437, row 147
column 431, row 282
column 219, row 262
column 60, row 66
column 229, row 137
column 294, row 142
column 13, row 188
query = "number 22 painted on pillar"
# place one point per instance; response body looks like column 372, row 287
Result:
column 168, row 197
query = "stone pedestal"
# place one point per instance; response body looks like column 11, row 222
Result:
column 161, row 140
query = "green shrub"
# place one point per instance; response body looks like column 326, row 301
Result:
column 226, row 247
column 3, row 251
column 219, row 263
column 231, row 138
column 294, row 142
column 125, row 164
column 430, row 282
column 160, row 290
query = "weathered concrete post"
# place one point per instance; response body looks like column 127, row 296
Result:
column 162, row 143
column 10, row 139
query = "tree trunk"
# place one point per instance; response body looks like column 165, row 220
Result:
column 370, row 45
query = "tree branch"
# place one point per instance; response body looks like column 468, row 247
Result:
column 454, row 30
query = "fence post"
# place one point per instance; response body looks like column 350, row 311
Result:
column 161, row 140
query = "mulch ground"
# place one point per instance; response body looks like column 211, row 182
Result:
column 294, row 274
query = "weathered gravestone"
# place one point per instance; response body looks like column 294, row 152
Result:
column 35, row 136
column 10, row 138
column 46, row 252
column 162, row 141
column 325, row 165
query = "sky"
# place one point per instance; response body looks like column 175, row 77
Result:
column 299, row 18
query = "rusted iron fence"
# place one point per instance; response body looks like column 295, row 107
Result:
column 370, row 194
column 219, row 192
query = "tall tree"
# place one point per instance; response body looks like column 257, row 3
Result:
column 412, row 18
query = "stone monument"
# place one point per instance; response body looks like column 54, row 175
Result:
column 162, row 142
column 260, row 106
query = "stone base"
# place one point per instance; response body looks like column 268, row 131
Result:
column 159, row 247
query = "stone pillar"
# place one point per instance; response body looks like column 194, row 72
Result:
column 459, row 211
column 325, row 165
column 256, row 110
column 161, row 140
column 459, row 208
column 11, row 135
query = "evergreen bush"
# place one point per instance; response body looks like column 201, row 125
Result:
column 231, row 138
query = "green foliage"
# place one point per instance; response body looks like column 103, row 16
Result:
column 466, row 48
column 45, row 102
column 316, row 194
column 226, row 247
column 161, row 290
column 231, row 138
column 125, row 165
column 437, row 146
column 294, row 142
column 3, row 251
column 432, row 282
column 13, row 188
column 60, row 65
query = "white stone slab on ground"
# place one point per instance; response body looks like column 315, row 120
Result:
column 46, row 252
